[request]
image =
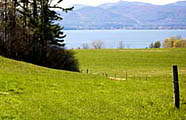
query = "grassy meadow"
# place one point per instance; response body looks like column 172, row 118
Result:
column 30, row 92
column 136, row 62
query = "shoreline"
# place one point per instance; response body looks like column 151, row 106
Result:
column 122, row 29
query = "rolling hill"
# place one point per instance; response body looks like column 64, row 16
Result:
column 30, row 92
column 127, row 15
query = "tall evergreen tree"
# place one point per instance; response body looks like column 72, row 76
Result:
column 31, row 32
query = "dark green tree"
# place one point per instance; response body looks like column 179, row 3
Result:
column 157, row 44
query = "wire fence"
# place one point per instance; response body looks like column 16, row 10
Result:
column 139, row 75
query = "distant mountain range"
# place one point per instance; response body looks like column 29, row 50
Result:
column 126, row 15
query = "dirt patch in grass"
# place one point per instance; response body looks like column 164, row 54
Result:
column 146, row 50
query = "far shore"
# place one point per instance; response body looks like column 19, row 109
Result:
column 125, row 29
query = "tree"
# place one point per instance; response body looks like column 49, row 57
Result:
column 177, row 44
column 180, row 44
column 169, row 42
column 184, row 43
column 40, row 15
column 85, row 46
column 151, row 45
column 30, row 32
column 157, row 44
column 97, row 44
column 121, row 45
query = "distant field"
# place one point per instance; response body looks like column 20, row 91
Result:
column 136, row 62
column 29, row 92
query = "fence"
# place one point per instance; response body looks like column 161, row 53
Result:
column 140, row 75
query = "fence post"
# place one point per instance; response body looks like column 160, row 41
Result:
column 126, row 76
column 106, row 75
column 176, row 86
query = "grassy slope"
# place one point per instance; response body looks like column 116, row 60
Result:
column 31, row 92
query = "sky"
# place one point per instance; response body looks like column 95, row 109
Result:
column 98, row 2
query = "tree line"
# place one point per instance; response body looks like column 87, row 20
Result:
column 172, row 42
column 29, row 32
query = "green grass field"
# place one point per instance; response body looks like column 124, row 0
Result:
column 137, row 62
column 29, row 92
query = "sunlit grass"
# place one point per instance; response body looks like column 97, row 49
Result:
column 136, row 62
column 29, row 92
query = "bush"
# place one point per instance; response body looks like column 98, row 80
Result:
column 20, row 47
column 177, row 44
column 61, row 59
column 157, row 44
column 184, row 43
column 53, row 58
column 170, row 42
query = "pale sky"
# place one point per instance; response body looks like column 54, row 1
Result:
column 98, row 2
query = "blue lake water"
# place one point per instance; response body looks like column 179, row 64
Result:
column 112, row 38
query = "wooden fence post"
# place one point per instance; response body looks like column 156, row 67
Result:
column 106, row 75
column 176, row 86
column 126, row 76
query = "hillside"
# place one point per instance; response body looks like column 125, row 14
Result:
column 127, row 15
column 29, row 92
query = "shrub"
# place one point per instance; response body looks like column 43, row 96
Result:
column 184, row 43
column 61, row 59
column 157, row 44
column 169, row 42
column 177, row 44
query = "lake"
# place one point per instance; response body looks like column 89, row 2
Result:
column 112, row 38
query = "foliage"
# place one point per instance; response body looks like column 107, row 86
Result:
column 180, row 44
column 157, row 44
column 174, row 42
column 61, row 59
column 29, row 31
column 177, row 43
